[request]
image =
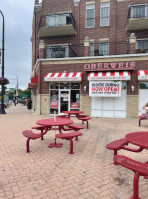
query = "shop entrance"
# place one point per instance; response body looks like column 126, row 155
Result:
column 64, row 100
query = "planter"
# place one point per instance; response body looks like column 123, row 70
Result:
column 4, row 81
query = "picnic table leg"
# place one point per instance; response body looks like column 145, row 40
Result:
column 135, row 186
column 71, row 146
column 27, row 145
column 139, row 122
column 87, row 124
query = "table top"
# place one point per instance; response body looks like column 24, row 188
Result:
column 73, row 112
column 138, row 138
column 51, row 122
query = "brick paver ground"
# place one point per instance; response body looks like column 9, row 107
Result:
column 51, row 173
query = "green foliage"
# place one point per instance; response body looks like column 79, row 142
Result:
column 21, row 93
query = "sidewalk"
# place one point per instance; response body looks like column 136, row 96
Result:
column 51, row 173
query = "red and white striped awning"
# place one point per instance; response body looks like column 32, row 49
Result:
column 51, row 77
column 142, row 74
column 124, row 75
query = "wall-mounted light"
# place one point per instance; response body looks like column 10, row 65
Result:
column 85, row 88
column 132, row 88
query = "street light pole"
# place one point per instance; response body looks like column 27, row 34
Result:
column 2, row 110
column 17, row 85
column 16, row 89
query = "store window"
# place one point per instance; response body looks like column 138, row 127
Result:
column 64, row 96
column 90, row 16
column 57, row 51
column 123, row 85
column 54, row 96
column 143, row 85
column 104, row 14
column 142, row 46
column 64, row 85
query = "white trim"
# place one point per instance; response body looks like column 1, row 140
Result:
column 91, row 58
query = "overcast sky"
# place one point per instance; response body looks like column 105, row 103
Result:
column 18, row 29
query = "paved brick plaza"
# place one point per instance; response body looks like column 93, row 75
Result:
column 53, row 173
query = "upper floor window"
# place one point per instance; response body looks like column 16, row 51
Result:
column 57, row 19
column 104, row 14
column 90, row 15
column 100, row 49
column 56, row 51
column 139, row 11
column 91, row 49
column 103, row 48
column 142, row 46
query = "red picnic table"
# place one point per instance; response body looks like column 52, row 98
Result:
column 76, row 113
column 60, row 122
column 138, row 138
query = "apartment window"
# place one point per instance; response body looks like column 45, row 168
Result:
column 90, row 15
column 56, row 51
column 56, row 19
column 104, row 14
column 142, row 46
column 139, row 11
column 91, row 49
column 103, row 48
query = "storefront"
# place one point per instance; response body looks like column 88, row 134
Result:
column 105, row 87
column 108, row 93
column 143, row 88
column 64, row 91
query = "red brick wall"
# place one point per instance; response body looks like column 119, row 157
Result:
column 79, row 67
column 116, row 31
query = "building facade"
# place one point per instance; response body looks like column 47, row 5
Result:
column 90, row 56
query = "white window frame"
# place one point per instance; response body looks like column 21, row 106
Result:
column 104, row 5
column 56, row 19
column 88, row 7
column 146, row 8
column 105, row 44
column 145, row 39
column 91, row 49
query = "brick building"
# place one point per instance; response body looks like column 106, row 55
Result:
column 90, row 56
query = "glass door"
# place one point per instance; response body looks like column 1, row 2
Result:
column 64, row 100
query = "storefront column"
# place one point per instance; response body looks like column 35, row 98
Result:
column 86, row 47
column 85, row 99
column 41, row 50
column 132, row 44
column 132, row 106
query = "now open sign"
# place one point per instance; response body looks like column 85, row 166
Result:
column 105, row 89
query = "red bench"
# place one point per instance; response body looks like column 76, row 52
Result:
column 31, row 136
column 42, row 128
column 140, row 169
column 73, row 127
column 69, row 136
column 84, row 119
column 142, row 118
column 116, row 145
